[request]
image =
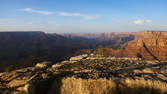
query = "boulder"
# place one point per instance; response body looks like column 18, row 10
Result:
column 76, row 58
column 44, row 64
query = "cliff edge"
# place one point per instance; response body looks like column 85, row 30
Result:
column 88, row 74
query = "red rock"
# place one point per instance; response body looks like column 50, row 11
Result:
column 148, row 45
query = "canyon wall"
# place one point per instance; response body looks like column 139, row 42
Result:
column 150, row 45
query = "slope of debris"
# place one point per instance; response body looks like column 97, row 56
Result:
column 41, row 78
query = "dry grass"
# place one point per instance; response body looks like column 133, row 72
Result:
column 80, row 86
column 104, row 86
column 144, row 87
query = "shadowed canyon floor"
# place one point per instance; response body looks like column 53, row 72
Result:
column 88, row 74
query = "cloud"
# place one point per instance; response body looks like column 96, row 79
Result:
column 52, row 22
column 37, row 11
column 7, row 20
column 85, row 16
column 148, row 21
column 40, row 22
column 141, row 22
column 30, row 23
column 138, row 22
column 33, row 22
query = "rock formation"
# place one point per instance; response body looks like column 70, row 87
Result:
column 150, row 45
column 33, row 47
column 88, row 74
column 126, row 71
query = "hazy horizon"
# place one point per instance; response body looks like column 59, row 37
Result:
column 83, row 16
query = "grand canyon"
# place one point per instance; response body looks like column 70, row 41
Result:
column 43, row 63
column 83, row 47
column 33, row 47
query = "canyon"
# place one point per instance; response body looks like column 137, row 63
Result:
column 149, row 45
column 135, row 63
column 24, row 49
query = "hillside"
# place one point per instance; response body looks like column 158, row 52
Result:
column 88, row 74
column 22, row 49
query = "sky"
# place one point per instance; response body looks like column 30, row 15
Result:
column 83, row 16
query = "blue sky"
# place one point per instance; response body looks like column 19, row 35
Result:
column 75, row 16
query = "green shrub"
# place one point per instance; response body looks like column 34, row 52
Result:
column 100, row 50
column 8, row 69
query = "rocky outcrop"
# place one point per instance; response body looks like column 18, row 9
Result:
column 80, row 57
column 150, row 45
column 43, row 64
column 88, row 74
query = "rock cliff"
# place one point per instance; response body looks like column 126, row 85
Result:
column 150, row 45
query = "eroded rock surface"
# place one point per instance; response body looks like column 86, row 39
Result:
column 149, row 45
column 85, row 74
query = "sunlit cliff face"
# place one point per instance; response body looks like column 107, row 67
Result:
column 149, row 44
